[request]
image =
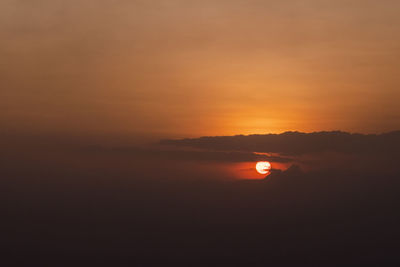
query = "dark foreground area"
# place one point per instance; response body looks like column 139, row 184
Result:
column 64, row 208
column 292, row 220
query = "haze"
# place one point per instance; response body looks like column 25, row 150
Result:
column 130, row 131
column 191, row 68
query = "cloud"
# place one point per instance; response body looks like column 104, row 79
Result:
column 297, row 143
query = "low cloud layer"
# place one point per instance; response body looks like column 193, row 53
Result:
column 297, row 143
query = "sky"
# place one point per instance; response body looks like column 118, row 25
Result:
column 191, row 68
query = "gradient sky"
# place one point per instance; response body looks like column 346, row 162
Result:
column 191, row 68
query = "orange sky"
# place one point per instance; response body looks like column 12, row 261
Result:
column 190, row 68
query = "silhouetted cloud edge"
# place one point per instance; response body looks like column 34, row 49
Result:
column 297, row 142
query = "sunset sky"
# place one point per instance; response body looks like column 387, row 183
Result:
column 181, row 68
column 200, row 133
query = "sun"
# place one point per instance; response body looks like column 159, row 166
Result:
column 263, row 167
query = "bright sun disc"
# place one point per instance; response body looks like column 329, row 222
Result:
column 263, row 167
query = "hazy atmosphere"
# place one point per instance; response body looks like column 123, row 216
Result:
column 200, row 133
column 187, row 68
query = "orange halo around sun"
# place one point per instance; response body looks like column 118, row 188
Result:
column 263, row 167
